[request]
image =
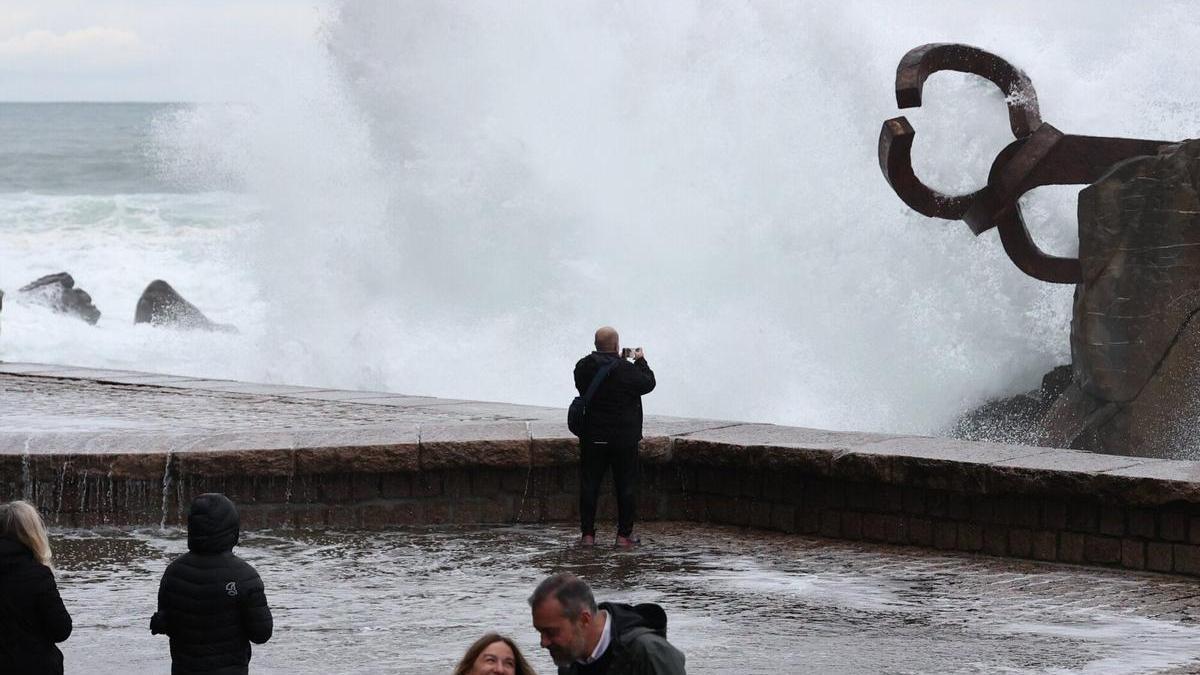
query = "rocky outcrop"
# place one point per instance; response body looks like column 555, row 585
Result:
column 162, row 305
column 1017, row 419
column 1134, row 382
column 1135, row 339
column 58, row 292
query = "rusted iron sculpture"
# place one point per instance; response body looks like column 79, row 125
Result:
column 1040, row 155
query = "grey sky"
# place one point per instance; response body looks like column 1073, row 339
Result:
column 165, row 50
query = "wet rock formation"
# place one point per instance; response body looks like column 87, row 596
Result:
column 58, row 292
column 162, row 305
column 1017, row 419
column 1135, row 340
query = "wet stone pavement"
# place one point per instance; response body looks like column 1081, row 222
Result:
column 740, row 602
column 156, row 403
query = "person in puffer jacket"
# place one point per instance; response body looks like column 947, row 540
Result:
column 211, row 603
column 32, row 615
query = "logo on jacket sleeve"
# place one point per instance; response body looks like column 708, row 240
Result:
column 231, row 589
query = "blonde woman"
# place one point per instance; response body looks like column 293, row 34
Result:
column 493, row 654
column 32, row 615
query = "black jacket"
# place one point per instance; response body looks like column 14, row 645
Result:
column 639, row 645
column 615, row 412
column 32, row 615
column 211, row 602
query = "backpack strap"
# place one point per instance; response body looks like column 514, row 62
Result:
column 600, row 375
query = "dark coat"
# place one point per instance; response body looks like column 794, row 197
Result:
column 639, row 644
column 32, row 615
column 210, row 602
column 615, row 412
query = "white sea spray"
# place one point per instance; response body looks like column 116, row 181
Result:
column 463, row 192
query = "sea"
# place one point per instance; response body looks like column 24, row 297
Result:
column 83, row 191
column 457, row 196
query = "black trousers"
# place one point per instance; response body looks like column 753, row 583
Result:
column 594, row 459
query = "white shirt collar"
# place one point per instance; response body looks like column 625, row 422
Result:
column 605, row 639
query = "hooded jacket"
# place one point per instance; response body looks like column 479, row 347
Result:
column 210, row 602
column 615, row 411
column 32, row 615
column 639, row 644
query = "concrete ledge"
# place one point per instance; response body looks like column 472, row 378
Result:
column 362, row 452
column 501, row 445
column 938, row 463
column 552, row 444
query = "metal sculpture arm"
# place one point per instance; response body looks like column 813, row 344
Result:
column 918, row 64
column 1040, row 155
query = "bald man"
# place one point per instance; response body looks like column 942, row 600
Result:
column 612, row 432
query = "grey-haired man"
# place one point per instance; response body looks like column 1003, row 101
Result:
column 584, row 638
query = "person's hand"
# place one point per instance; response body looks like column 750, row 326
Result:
column 638, row 354
column 158, row 624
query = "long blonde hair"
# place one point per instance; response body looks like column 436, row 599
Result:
column 21, row 521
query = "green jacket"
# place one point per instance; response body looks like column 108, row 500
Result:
column 639, row 644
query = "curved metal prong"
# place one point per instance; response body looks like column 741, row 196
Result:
column 1008, row 179
column 1040, row 155
column 1026, row 255
column 919, row 63
column 1049, row 157
column 895, row 159
column 896, row 137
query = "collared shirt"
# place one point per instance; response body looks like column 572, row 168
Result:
column 605, row 639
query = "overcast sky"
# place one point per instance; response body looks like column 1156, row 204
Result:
column 153, row 50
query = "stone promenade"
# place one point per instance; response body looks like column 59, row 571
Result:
column 44, row 399
column 95, row 447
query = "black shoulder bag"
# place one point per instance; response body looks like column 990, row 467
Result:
column 577, row 413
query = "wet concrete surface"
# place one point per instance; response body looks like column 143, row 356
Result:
column 739, row 602
column 48, row 404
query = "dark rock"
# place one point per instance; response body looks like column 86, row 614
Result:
column 58, row 292
column 162, row 305
column 1055, row 382
column 1135, row 344
column 1140, row 251
column 1017, row 419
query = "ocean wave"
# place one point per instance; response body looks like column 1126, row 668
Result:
column 461, row 194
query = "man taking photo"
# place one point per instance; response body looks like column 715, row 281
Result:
column 612, row 431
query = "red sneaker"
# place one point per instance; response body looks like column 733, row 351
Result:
column 628, row 542
column 587, row 540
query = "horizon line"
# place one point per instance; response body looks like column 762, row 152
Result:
column 105, row 101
